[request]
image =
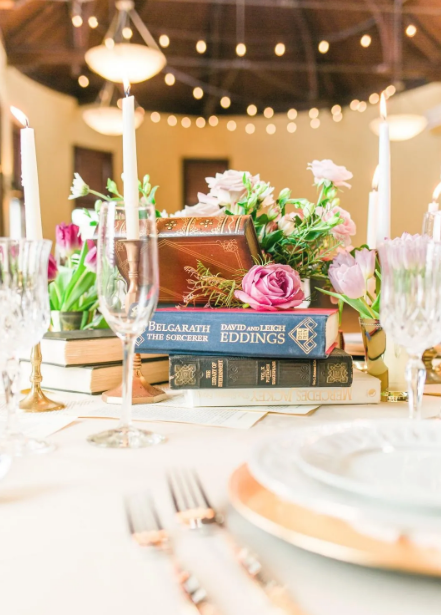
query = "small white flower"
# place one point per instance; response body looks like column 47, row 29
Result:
column 79, row 187
column 87, row 222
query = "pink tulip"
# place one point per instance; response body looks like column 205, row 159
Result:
column 68, row 239
column 346, row 276
column 52, row 270
column 366, row 260
column 91, row 256
column 271, row 288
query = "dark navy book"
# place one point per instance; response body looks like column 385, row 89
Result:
column 302, row 334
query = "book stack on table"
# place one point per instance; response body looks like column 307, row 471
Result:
column 88, row 362
column 237, row 357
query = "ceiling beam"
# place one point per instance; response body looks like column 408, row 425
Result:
column 323, row 5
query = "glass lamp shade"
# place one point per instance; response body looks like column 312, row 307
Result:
column 108, row 120
column 401, row 127
column 129, row 61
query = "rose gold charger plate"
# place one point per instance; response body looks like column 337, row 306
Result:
column 323, row 534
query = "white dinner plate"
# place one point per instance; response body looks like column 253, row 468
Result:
column 274, row 465
column 397, row 461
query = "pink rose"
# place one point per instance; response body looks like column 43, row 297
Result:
column 52, row 270
column 271, row 288
column 287, row 223
column 326, row 169
column 207, row 207
column 68, row 239
column 346, row 276
column 342, row 232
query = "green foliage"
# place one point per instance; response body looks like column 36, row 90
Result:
column 213, row 289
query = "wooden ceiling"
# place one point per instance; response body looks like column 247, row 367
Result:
column 42, row 43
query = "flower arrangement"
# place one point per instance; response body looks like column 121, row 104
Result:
column 72, row 283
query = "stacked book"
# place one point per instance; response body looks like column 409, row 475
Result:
column 229, row 357
column 88, row 362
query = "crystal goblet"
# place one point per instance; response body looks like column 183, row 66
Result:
column 127, row 280
column 410, row 310
column 24, row 318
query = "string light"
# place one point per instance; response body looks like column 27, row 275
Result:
column 292, row 127
column 225, row 102
column 365, row 40
column 213, row 120
column 127, row 33
column 231, row 125
column 241, row 49
column 200, row 122
column 164, row 41
column 279, row 49
column 336, row 109
column 323, row 46
column 93, row 22
column 250, row 128
column 271, row 129
column 109, row 43
column 198, row 93
column 315, row 123
column 390, row 90
column 374, row 98
column 292, row 114
column 83, row 81
column 313, row 113
column 170, row 79
column 268, row 112
column 411, row 30
column 155, row 117
column 251, row 109
column 354, row 104
column 172, row 120
column 362, row 106
column 186, row 122
column 337, row 117
column 77, row 21
column 201, row 46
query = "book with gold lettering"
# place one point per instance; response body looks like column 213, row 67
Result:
column 365, row 389
column 302, row 334
column 218, row 372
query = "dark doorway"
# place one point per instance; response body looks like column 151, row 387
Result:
column 195, row 170
column 95, row 167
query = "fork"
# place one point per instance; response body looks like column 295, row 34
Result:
column 194, row 509
column 147, row 530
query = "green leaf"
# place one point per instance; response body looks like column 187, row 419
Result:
column 357, row 304
column 271, row 239
column 84, row 283
column 66, row 298
column 54, row 296
column 111, row 186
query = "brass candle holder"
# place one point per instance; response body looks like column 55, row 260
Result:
column 142, row 391
column 36, row 400
column 433, row 375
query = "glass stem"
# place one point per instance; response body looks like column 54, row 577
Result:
column 416, row 377
column 128, row 351
column 11, row 381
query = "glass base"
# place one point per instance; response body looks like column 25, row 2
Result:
column 126, row 437
column 17, row 445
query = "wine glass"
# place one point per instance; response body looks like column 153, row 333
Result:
column 24, row 318
column 127, row 280
column 410, row 310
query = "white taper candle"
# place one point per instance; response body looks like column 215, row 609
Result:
column 130, row 165
column 384, row 193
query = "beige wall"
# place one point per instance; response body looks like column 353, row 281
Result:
column 280, row 158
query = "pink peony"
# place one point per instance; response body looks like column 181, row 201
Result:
column 271, row 288
column 68, row 239
column 346, row 276
column 52, row 270
column 326, row 169
column 342, row 232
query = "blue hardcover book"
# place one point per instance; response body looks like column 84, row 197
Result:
column 241, row 332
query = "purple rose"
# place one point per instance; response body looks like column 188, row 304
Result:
column 52, row 269
column 271, row 288
column 347, row 277
column 90, row 260
column 68, row 239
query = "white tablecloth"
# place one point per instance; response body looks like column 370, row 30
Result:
column 65, row 549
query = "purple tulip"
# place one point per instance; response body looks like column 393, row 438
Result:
column 271, row 287
column 366, row 259
column 68, row 239
column 90, row 260
column 52, row 270
column 346, row 276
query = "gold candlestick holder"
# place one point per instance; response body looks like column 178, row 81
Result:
column 433, row 375
column 36, row 400
column 142, row 391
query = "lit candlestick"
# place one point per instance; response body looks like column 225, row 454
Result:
column 383, row 221
column 434, row 216
column 29, row 177
column 130, row 166
column 434, row 205
column 373, row 212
